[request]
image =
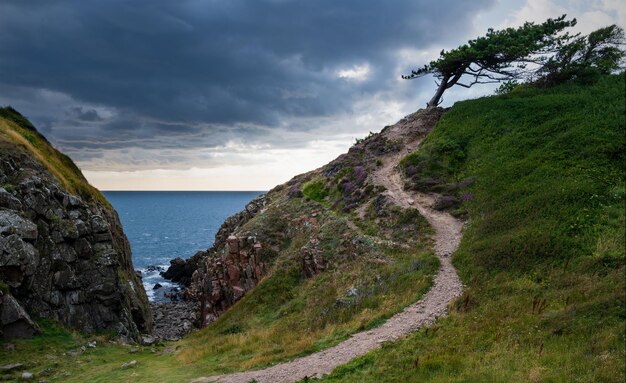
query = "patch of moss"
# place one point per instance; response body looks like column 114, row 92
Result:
column 315, row 190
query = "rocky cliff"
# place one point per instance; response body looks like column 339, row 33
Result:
column 63, row 254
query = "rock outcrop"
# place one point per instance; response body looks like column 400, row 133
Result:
column 225, row 277
column 181, row 271
column 63, row 254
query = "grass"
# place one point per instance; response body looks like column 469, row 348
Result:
column 315, row 190
column 285, row 316
column 288, row 315
column 16, row 129
column 543, row 254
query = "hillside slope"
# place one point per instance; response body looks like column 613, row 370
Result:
column 63, row 254
column 543, row 254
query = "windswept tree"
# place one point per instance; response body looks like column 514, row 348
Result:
column 503, row 55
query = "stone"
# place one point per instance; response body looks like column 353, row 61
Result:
column 179, row 271
column 99, row 224
column 68, row 229
column 157, row 286
column 233, row 244
column 238, row 292
column 83, row 248
column 312, row 261
column 147, row 340
column 131, row 364
column 72, row 201
column 27, row 375
column 18, row 253
column 81, row 227
column 91, row 344
column 153, row 268
column 12, row 223
column 8, row 201
column 11, row 367
column 14, row 321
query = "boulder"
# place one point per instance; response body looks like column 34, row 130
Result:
column 179, row 271
column 14, row 321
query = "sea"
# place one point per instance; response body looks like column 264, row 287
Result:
column 164, row 225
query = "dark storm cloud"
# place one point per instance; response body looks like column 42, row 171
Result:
column 171, row 70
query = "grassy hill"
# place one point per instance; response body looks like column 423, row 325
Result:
column 543, row 254
column 16, row 130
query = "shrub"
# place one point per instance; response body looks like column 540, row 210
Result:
column 315, row 190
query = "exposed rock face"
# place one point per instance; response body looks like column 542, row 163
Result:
column 63, row 256
column 181, row 270
column 312, row 261
column 225, row 277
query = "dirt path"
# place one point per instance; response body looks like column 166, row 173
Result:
column 433, row 304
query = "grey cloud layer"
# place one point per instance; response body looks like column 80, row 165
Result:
column 115, row 74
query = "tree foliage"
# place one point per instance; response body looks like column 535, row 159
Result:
column 585, row 58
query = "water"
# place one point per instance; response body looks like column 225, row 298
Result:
column 165, row 225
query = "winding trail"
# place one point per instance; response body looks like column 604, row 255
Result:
column 433, row 304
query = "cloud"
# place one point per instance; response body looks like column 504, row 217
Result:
column 590, row 14
column 357, row 72
column 106, row 76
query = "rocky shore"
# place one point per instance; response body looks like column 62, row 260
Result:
column 172, row 320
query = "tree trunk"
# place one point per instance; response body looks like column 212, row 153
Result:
column 437, row 97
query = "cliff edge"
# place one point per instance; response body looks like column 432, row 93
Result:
column 63, row 253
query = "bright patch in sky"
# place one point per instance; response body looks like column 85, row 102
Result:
column 357, row 72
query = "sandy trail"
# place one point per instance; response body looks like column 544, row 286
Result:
column 433, row 304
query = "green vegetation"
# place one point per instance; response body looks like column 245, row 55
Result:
column 366, row 280
column 16, row 129
column 56, row 356
column 315, row 190
column 290, row 315
column 585, row 58
column 543, row 256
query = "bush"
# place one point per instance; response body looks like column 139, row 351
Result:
column 315, row 190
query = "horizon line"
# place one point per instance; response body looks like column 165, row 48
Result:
column 200, row 191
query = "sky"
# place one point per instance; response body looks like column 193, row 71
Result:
column 236, row 94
